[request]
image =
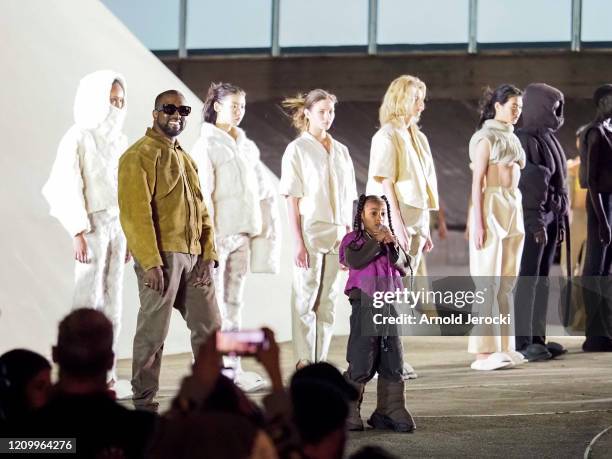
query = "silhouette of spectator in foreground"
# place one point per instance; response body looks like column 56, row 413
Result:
column 80, row 405
column 25, row 380
column 320, row 397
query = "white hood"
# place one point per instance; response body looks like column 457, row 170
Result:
column 91, row 104
column 83, row 179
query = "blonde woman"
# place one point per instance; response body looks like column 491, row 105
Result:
column 402, row 168
column 496, row 233
column 401, row 165
column 318, row 181
column 242, row 202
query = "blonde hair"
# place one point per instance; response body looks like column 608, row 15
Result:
column 295, row 106
column 397, row 99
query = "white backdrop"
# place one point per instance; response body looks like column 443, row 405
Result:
column 45, row 48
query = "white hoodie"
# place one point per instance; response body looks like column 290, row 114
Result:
column 239, row 193
column 83, row 179
column 227, row 169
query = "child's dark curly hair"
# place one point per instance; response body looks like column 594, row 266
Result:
column 363, row 199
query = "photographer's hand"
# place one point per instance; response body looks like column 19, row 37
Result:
column 208, row 363
column 270, row 359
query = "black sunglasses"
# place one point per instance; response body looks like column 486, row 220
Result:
column 170, row 109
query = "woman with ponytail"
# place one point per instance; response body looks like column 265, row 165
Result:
column 496, row 231
column 318, row 181
column 242, row 202
column 376, row 265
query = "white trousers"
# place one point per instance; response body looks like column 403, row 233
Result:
column 313, row 305
column 417, row 226
column 99, row 283
column 234, row 256
column 496, row 266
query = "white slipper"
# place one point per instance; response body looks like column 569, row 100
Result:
column 502, row 357
column 516, row 357
column 249, row 381
column 495, row 361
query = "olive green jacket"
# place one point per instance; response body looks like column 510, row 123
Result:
column 160, row 202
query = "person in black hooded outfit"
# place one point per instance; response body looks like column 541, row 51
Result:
column 543, row 185
column 596, row 176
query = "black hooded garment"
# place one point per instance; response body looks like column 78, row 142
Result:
column 543, row 182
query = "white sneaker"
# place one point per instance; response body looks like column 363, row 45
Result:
column 249, row 381
column 123, row 389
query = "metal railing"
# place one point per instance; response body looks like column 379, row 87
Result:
column 372, row 45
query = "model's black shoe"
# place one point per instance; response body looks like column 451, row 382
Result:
column 555, row 349
column 597, row 344
column 536, row 352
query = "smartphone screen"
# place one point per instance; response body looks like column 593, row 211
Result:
column 243, row 342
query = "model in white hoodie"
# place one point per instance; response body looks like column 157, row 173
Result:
column 82, row 194
column 239, row 194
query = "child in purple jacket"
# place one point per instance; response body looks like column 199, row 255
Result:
column 376, row 265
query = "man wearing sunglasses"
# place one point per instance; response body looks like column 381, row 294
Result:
column 170, row 235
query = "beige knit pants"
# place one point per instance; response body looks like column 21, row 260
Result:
column 99, row 283
column 313, row 305
column 495, row 267
column 234, row 256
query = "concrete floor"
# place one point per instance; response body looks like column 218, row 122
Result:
column 557, row 409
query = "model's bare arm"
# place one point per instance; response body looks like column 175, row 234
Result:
column 480, row 165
